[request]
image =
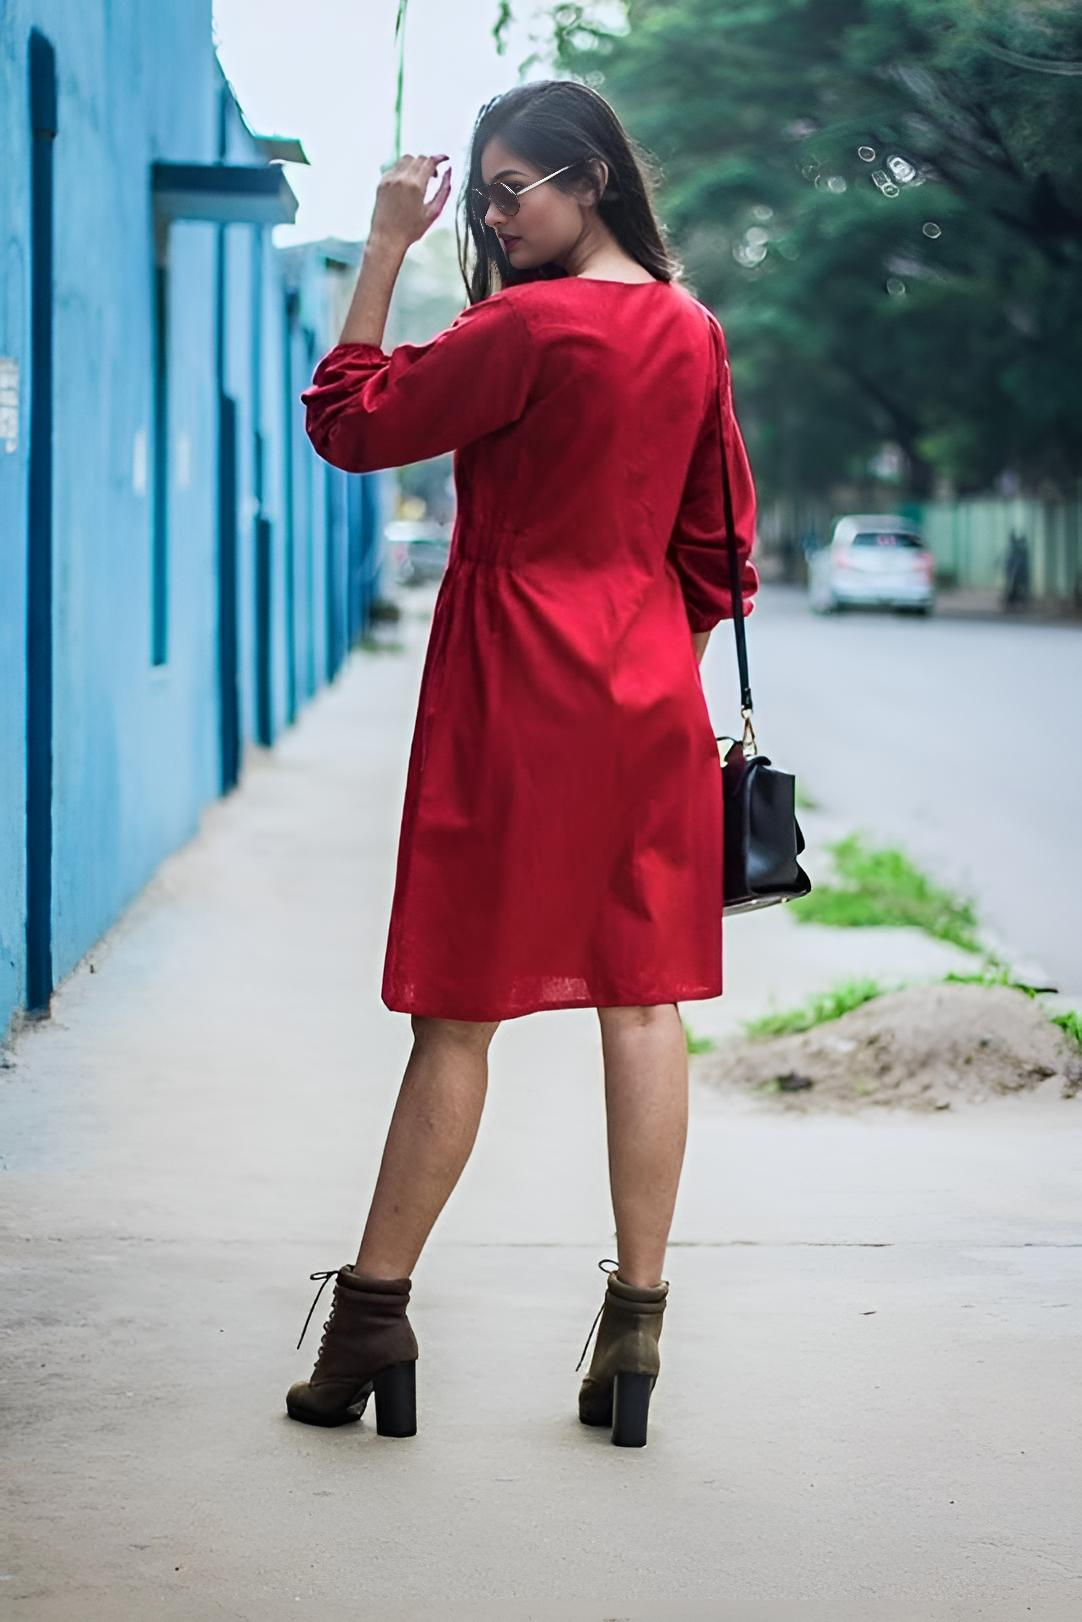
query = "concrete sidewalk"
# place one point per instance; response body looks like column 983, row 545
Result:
column 869, row 1403
column 971, row 602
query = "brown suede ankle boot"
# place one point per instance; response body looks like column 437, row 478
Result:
column 368, row 1345
column 627, row 1360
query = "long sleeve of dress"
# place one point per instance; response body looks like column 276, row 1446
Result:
column 698, row 546
column 367, row 408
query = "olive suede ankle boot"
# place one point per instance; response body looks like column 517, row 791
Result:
column 367, row 1345
column 627, row 1359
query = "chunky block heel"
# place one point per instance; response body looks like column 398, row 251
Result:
column 396, row 1399
column 631, row 1408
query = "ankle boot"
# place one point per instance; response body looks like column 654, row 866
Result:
column 626, row 1362
column 367, row 1345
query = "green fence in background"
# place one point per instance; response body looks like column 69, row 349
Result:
column 969, row 539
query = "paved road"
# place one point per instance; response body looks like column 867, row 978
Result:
column 869, row 1403
column 958, row 739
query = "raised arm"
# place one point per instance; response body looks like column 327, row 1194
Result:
column 368, row 409
column 698, row 545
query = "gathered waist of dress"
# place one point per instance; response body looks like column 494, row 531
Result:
column 489, row 560
column 566, row 564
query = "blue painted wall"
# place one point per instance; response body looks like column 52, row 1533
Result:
column 135, row 743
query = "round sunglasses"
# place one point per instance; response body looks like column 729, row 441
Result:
column 505, row 197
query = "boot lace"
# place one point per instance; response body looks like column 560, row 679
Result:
column 331, row 1272
column 600, row 1310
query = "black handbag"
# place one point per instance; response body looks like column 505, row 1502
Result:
column 762, row 835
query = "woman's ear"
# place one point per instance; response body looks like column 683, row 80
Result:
column 596, row 179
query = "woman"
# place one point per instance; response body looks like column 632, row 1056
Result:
column 561, row 836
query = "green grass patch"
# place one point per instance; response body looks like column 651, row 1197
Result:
column 849, row 994
column 805, row 801
column 882, row 887
column 697, row 1044
column 1071, row 1022
column 999, row 975
column 824, row 1005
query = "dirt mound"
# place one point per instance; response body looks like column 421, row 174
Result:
column 919, row 1048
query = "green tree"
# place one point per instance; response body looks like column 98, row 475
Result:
column 883, row 201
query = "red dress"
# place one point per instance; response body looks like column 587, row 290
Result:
column 561, row 835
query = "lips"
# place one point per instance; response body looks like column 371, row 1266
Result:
column 509, row 242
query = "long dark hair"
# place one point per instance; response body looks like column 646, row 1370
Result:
column 551, row 122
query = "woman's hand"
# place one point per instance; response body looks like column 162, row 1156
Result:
column 400, row 217
column 401, row 214
column 699, row 639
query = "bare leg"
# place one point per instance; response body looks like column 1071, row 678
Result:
column 432, row 1131
column 646, row 1103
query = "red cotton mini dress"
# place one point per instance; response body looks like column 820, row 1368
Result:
column 561, row 833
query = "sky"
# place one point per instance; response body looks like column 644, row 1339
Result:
column 325, row 72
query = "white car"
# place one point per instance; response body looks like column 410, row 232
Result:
column 875, row 560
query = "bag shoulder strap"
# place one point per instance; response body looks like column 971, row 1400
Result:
column 730, row 525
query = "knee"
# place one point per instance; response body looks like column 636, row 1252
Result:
column 472, row 1034
column 637, row 1017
